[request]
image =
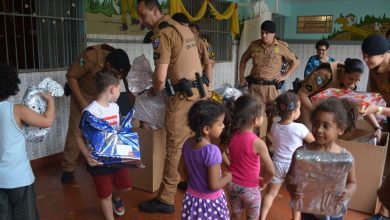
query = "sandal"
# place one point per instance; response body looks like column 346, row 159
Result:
column 118, row 207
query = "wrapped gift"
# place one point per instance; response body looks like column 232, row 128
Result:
column 320, row 177
column 226, row 91
column 109, row 146
column 33, row 99
column 147, row 109
column 360, row 98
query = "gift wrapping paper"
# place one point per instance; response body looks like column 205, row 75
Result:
column 321, row 177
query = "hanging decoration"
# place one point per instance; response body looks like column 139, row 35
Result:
column 207, row 10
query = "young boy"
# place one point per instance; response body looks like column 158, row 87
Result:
column 104, row 107
column 17, row 196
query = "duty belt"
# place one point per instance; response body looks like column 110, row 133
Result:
column 251, row 80
column 186, row 85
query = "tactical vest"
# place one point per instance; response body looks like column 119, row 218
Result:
column 187, row 62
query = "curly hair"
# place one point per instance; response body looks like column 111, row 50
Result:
column 9, row 81
column 345, row 112
column 283, row 106
column 204, row 113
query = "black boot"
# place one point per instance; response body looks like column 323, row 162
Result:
column 155, row 205
column 67, row 177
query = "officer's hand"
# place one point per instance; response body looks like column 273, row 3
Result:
column 243, row 82
column 281, row 78
column 149, row 93
column 378, row 134
column 370, row 109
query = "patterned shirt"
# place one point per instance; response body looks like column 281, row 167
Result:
column 313, row 63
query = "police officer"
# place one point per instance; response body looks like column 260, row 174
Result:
column 206, row 53
column 376, row 54
column 332, row 75
column 80, row 77
column 176, row 60
column 267, row 56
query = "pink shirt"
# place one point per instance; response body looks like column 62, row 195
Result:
column 244, row 162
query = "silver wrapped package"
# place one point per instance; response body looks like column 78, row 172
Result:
column 321, row 178
column 227, row 91
column 147, row 109
column 33, row 99
column 140, row 75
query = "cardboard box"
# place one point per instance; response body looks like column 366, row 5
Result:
column 369, row 166
column 153, row 157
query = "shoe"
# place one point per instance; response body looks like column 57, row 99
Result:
column 155, row 205
column 118, row 207
column 67, row 177
column 182, row 186
column 135, row 21
column 378, row 216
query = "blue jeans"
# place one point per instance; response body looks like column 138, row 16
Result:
column 308, row 216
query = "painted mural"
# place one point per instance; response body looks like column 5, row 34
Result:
column 353, row 28
column 116, row 17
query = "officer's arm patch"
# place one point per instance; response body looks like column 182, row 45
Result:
column 155, row 41
column 309, row 87
column 319, row 80
column 156, row 54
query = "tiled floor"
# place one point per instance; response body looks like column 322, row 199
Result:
column 78, row 201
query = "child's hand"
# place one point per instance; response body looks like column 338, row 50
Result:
column 228, row 176
column 48, row 97
column 344, row 195
column 92, row 162
column 262, row 185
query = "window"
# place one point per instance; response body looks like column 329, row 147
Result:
column 216, row 32
column 314, row 24
column 41, row 34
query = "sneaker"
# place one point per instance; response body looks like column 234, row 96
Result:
column 155, row 205
column 67, row 177
column 182, row 186
column 118, row 207
column 378, row 216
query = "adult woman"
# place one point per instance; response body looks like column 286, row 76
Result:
column 321, row 57
column 332, row 75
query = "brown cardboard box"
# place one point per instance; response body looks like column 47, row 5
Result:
column 152, row 155
column 369, row 166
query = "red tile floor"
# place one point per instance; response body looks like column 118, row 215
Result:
column 78, row 201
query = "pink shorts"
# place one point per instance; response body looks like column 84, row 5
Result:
column 103, row 183
column 241, row 197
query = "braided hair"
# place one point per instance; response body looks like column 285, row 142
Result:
column 204, row 113
column 345, row 112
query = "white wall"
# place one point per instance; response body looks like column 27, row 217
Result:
column 224, row 72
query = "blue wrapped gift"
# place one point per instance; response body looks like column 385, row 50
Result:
column 109, row 146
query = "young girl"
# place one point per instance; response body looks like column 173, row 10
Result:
column 287, row 136
column 330, row 119
column 245, row 150
column 17, row 194
column 205, row 198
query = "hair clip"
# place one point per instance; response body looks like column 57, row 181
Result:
column 291, row 106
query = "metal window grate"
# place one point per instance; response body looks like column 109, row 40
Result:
column 41, row 34
column 216, row 32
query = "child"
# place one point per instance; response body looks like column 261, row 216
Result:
column 330, row 119
column 205, row 198
column 108, row 88
column 17, row 196
column 287, row 136
column 245, row 150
